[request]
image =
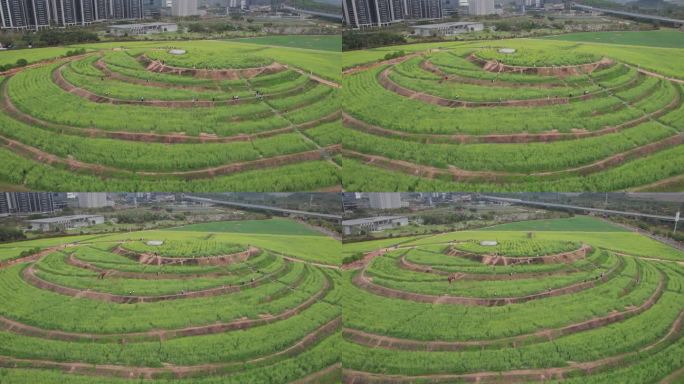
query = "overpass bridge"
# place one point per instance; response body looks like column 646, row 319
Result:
column 282, row 211
column 326, row 15
column 642, row 16
column 579, row 208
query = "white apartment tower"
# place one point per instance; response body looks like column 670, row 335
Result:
column 183, row 8
column 92, row 200
column 481, row 7
column 385, row 200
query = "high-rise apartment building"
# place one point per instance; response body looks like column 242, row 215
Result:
column 38, row 14
column 362, row 14
column 481, row 7
column 183, row 8
column 385, row 200
column 423, row 9
column 24, row 203
column 92, row 200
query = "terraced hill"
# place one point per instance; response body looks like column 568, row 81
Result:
column 212, row 116
column 536, row 116
column 196, row 308
column 442, row 310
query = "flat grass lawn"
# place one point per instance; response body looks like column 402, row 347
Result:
column 31, row 55
column 577, row 223
column 266, row 227
column 317, row 42
column 665, row 38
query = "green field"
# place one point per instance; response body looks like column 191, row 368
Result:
column 431, row 311
column 272, row 226
column 665, row 38
column 577, row 223
column 268, row 316
column 548, row 116
column 322, row 42
column 225, row 115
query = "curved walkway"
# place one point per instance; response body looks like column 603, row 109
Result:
column 405, row 264
column 176, row 371
column 519, row 375
column 212, row 74
column 29, row 275
column 387, row 342
column 64, row 84
column 76, row 262
column 166, row 334
column 41, row 156
column 491, row 259
column 457, row 174
column 153, row 259
column 364, row 282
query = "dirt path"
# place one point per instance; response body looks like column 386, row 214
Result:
column 29, row 275
column 104, row 68
column 64, row 84
column 153, row 259
column 166, row 334
column 113, row 273
column 521, row 375
column 31, row 258
column 457, row 174
column 41, row 156
column 320, row 376
column 492, row 259
column 316, row 78
column 176, row 371
column 367, row 66
column 548, row 136
column 663, row 184
column 212, row 74
column 674, row 377
column 176, row 138
column 295, row 259
column 557, row 70
column 364, row 282
column 405, row 264
column 653, row 74
column 41, row 63
column 427, row 65
column 387, row 83
column 387, row 342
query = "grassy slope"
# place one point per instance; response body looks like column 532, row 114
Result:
column 647, row 57
column 31, row 55
column 320, row 62
column 324, row 61
column 272, row 226
column 628, row 242
column 317, row 42
column 583, row 229
column 665, row 38
column 10, row 251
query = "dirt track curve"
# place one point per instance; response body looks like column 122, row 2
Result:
column 176, row 370
column 387, row 342
column 521, row 375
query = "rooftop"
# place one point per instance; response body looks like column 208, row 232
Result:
column 446, row 25
column 369, row 220
column 62, row 218
column 140, row 25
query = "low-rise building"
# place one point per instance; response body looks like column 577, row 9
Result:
column 142, row 28
column 370, row 224
column 446, row 29
column 65, row 222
